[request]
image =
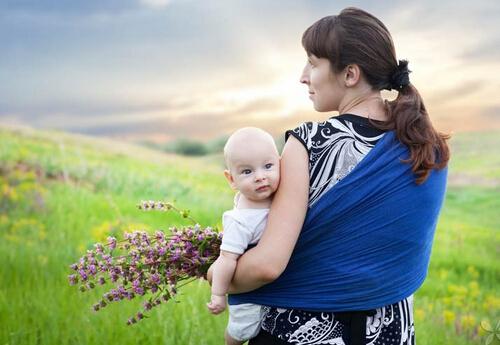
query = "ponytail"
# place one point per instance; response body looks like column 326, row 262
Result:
column 408, row 116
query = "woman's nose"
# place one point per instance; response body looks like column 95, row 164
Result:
column 304, row 78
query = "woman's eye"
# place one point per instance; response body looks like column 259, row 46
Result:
column 269, row 165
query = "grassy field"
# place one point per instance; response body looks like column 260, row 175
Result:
column 60, row 193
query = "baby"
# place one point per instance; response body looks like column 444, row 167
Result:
column 252, row 162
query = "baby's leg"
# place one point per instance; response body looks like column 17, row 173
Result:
column 231, row 341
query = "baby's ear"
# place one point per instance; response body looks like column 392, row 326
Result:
column 229, row 178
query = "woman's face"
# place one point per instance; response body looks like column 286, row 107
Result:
column 325, row 89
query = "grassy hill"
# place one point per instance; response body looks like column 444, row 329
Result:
column 60, row 193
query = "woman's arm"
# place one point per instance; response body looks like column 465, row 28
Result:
column 266, row 261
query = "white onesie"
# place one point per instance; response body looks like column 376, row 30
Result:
column 243, row 227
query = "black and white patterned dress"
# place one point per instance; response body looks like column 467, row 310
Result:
column 335, row 146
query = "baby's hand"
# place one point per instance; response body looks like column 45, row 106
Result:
column 217, row 305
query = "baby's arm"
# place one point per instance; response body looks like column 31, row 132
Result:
column 223, row 271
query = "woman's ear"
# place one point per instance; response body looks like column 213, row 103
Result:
column 352, row 74
column 230, row 179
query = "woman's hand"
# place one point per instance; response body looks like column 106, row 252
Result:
column 266, row 261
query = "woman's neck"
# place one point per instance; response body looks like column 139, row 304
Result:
column 370, row 105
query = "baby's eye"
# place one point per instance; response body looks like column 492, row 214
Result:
column 269, row 165
column 246, row 171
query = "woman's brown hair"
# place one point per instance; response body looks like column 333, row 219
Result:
column 357, row 37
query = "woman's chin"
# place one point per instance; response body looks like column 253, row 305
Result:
column 319, row 108
column 322, row 108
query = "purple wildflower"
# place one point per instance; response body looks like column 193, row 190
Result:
column 111, row 242
column 160, row 236
column 99, row 248
column 148, row 305
column 136, row 283
column 155, row 278
column 83, row 274
column 73, row 279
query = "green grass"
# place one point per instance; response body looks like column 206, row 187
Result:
column 61, row 193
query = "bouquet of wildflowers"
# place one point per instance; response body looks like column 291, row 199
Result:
column 143, row 264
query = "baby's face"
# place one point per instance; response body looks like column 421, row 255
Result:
column 255, row 170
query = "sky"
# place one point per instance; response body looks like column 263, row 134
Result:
column 158, row 70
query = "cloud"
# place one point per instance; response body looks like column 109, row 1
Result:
column 156, row 3
column 450, row 95
column 492, row 113
column 76, row 109
column 66, row 8
column 488, row 50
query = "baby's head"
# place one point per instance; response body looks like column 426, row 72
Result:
column 253, row 163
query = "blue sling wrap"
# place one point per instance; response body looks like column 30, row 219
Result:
column 365, row 243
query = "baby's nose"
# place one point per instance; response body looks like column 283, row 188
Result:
column 259, row 175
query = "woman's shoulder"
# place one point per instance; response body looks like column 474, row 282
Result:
column 317, row 134
column 347, row 123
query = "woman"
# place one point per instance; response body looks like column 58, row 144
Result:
column 351, row 226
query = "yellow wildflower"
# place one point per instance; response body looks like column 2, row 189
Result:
column 492, row 302
column 12, row 238
column 443, row 274
column 12, row 194
column 419, row 314
column 42, row 234
column 3, row 219
column 134, row 226
column 468, row 321
column 474, row 289
column 458, row 302
column 448, row 316
column 102, row 231
column 472, row 271
column 447, row 301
